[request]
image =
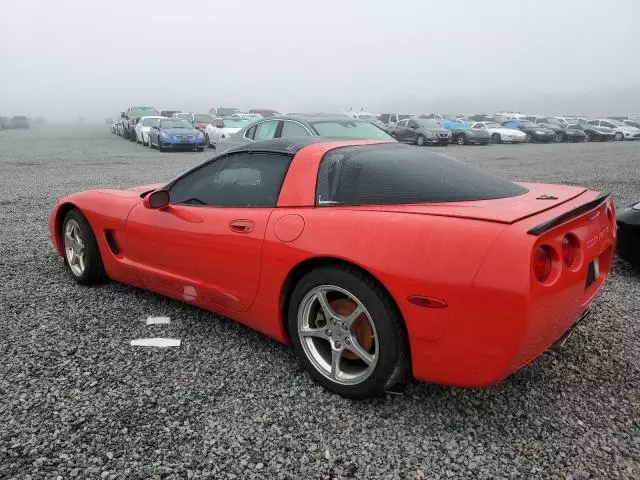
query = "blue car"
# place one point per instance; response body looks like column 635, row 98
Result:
column 463, row 134
column 176, row 134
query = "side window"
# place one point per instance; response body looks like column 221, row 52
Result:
column 479, row 126
column 266, row 130
column 394, row 118
column 402, row 123
column 384, row 118
column 593, row 122
column 238, row 180
column 250, row 133
column 607, row 124
column 293, row 129
column 411, row 123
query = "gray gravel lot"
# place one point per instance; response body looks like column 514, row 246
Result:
column 76, row 401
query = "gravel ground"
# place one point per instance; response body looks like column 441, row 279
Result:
column 78, row 402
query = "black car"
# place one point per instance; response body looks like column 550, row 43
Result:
column 304, row 125
column 593, row 132
column 563, row 132
column 421, row 132
column 4, row 123
column 535, row 133
column 19, row 121
column 628, row 246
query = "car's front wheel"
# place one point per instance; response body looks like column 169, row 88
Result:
column 420, row 141
column 347, row 333
column 560, row 137
column 496, row 138
column 619, row 136
column 462, row 139
column 81, row 253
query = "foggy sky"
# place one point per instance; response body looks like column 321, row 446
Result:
column 62, row 59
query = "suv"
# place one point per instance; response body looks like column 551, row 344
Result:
column 129, row 118
column 19, row 121
column 392, row 119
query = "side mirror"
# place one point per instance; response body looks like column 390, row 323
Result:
column 157, row 199
column 123, row 115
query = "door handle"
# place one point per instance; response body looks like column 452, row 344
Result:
column 242, row 226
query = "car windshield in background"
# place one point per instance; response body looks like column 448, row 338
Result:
column 143, row 112
column 400, row 174
column 150, row 122
column 492, row 125
column 526, row 123
column 223, row 112
column 236, row 122
column 204, row 118
column 367, row 117
column 575, row 126
column 428, row 123
column 350, row 129
column 175, row 123
column 617, row 123
column 553, row 121
column 404, row 117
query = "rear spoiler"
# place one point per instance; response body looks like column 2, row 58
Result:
column 543, row 227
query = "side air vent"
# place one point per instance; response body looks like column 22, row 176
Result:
column 108, row 234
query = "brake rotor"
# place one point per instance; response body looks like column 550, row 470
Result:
column 361, row 327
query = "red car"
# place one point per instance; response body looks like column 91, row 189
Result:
column 372, row 259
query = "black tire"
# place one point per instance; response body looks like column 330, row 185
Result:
column 94, row 272
column 420, row 141
column 496, row 138
column 125, row 134
column 528, row 138
column 132, row 136
column 392, row 349
column 200, row 149
column 587, row 137
column 560, row 137
column 619, row 137
column 462, row 139
column 207, row 141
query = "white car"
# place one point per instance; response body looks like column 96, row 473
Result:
column 143, row 126
column 500, row 134
column 221, row 128
column 622, row 131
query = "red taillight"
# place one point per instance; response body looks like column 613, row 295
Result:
column 570, row 249
column 542, row 262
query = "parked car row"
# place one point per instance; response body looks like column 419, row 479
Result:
column 19, row 121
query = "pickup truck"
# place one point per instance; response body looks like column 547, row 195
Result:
column 129, row 118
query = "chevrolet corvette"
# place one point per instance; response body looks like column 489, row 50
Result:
column 372, row 259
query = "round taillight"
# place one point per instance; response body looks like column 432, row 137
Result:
column 570, row 247
column 542, row 262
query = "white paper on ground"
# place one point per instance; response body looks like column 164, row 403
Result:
column 156, row 342
column 158, row 320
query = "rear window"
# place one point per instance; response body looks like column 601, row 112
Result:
column 390, row 174
column 350, row 128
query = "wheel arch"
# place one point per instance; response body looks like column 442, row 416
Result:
column 60, row 213
column 309, row 264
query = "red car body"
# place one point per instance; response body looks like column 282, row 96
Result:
column 470, row 261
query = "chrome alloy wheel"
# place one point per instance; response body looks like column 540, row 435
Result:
column 337, row 334
column 74, row 248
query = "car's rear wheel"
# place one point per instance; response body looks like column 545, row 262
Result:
column 462, row 139
column 81, row 253
column 420, row 141
column 619, row 136
column 587, row 137
column 496, row 138
column 347, row 333
column 560, row 137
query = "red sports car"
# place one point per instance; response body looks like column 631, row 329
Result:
column 372, row 259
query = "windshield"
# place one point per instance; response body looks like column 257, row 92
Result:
column 182, row 115
column 204, row 118
column 150, row 122
column 617, row 123
column 553, row 121
column 366, row 116
column 223, row 111
column 348, row 128
column 175, row 123
column 235, row 122
column 404, row 117
column 526, row 123
column 428, row 123
column 143, row 112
